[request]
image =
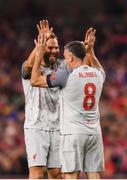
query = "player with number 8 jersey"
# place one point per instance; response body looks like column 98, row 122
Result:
column 80, row 112
column 81, row 145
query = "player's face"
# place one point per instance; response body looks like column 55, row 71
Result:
column 52, row 50
column 68, row 57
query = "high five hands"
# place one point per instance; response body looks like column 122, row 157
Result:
column 43, row 28
column 89, row 40
column 44, row 33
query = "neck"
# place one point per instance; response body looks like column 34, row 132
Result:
column 77, row 63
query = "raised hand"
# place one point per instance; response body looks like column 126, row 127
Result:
column 40, row 44
column 89, row 39
column 43, row 28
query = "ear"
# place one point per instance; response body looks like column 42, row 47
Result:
column 71, row 57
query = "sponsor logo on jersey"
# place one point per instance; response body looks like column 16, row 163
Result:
column 34, row 156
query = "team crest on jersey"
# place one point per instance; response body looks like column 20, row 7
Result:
column 34, row 156
column 53, row 76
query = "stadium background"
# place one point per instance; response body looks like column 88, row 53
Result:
column 70, row 19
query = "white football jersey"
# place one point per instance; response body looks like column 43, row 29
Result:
column 79, row 100
column 42, row 108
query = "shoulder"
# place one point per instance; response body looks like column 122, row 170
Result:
column 24, row 74
column 101, row 70
column 101, row 73
column 61, row 63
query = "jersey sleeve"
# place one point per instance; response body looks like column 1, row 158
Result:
column 103, row 73
column 24, row 74
column 58, row 78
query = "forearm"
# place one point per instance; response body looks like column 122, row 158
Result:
column 87, row 60
column 37, row 79
column 36, row 69
column 92, row 59
column 89, row 57
column 30, row 61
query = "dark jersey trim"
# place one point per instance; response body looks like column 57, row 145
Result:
column 25, row 75
column 48, row 80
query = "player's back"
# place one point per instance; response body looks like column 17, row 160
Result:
column 80, row 98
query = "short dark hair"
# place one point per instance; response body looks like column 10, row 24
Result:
column 77, row 48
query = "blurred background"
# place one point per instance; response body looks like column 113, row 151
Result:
column 70, row 19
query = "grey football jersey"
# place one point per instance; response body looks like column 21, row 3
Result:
column 42, row 109
column 79, row 111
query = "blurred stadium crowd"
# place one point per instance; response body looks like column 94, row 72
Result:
column 17, row 32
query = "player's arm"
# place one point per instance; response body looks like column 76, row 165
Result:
column 56, row 78
column 43, row 27
column 28, row 64
column 90, row 57
column 37, row 78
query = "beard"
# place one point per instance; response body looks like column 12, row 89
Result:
column 50, row 60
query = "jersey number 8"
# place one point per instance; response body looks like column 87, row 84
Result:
column 89, row 100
